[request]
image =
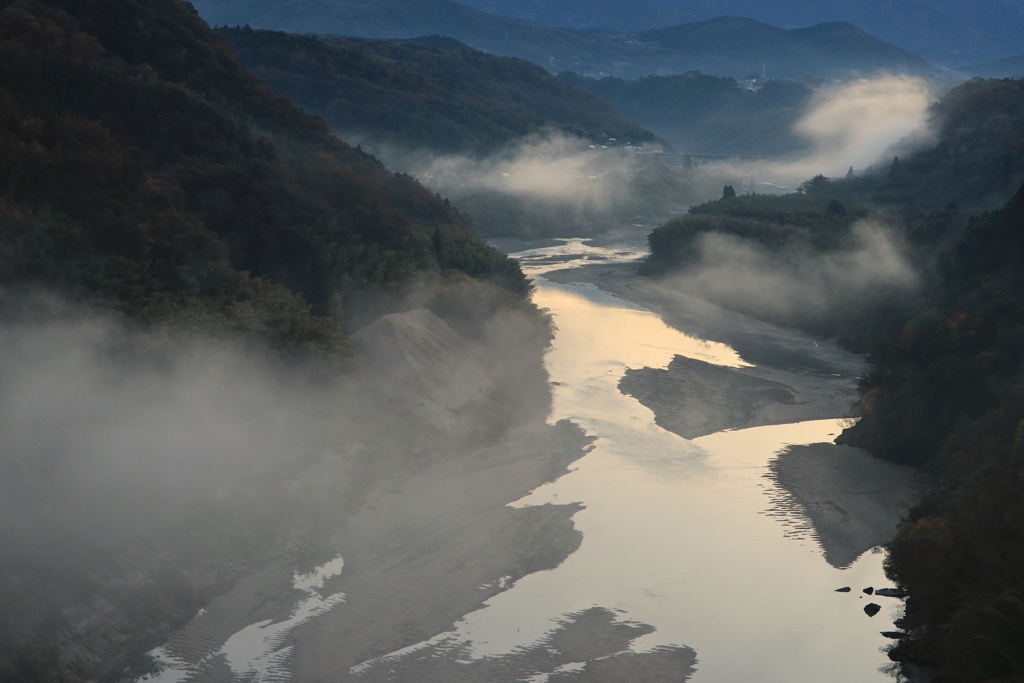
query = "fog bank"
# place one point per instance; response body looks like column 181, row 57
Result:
column 854, row 124
column 743, row 275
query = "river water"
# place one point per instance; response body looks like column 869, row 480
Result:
column 682, row 537
column 678, row 534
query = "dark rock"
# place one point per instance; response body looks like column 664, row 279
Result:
column 871, row 609
column 844, row 589
column 891, row 592
column 894, row 634
column 869, row 590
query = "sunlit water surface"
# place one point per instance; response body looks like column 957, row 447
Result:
column 675, row 533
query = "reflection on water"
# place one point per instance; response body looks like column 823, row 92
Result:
column 675, row 532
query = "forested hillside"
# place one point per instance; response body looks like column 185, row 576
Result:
column 146, row 171
column 430, row 94
column 199, row 230
column 945, row 386
column 703, row 114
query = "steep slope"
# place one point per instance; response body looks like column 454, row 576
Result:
column 946, row 363
column 946, row 391
column 146, row 171
column 181, row 250
column 434, row 94
column 797, row 54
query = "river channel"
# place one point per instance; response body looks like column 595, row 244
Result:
column 678, row 535
column 694, row 563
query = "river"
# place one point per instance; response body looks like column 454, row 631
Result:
column 689, row 550
column 679, row 535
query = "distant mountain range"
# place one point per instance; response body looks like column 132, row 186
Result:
column 432, row 93
column 723, row 46
column 711, row 115
column 948, row 32
column 1007, row 67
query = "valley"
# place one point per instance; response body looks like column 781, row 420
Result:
column 408, row 342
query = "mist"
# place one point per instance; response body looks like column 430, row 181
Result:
column 554, row 184
column 102, row 444
column 797, row 284
column 854, row 124
column 109, row 433
column 547, row 167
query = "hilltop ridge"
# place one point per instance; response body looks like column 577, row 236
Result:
column 790, row 54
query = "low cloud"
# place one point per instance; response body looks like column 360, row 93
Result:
column 797, row 283
column 853, row 124
column 552, row 167
column 101, row 445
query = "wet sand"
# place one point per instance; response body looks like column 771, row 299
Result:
column 853, row 500
column 693, row 398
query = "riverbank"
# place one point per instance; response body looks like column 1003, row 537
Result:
column 852, row 500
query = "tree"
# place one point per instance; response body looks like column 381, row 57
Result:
column 836, row 207
column 728, row 192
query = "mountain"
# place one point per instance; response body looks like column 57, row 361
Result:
column 593, row 52
column 945, row 381
column 434, row 94
column 148, row 172
column 725, row 45
column 1008, row 67
column 170, row 224
column 714, row 115
column 632, row 16
column 945, row 31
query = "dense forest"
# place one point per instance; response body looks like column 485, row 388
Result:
column 147, row 171
column 944, row 390
column 464, row 121
column 701, row 114
column 432, row 93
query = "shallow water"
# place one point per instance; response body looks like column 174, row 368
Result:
column 678, row 534
column 682, row 536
